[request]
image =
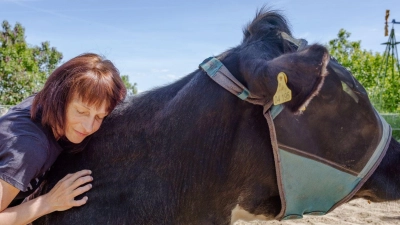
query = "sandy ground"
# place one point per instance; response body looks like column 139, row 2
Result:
column 358, row 211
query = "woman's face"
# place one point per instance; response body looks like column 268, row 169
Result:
column 83, row 120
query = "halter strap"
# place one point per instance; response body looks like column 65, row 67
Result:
column 221, row 75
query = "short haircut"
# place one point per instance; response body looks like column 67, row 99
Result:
column 89, row 75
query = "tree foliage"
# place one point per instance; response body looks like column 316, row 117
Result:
column 130, row 88
column 23, row 68
column 382, row 85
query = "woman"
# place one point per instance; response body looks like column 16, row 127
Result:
column 72, row 105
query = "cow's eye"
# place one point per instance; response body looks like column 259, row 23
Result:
column 329, row 93
column 328, row 97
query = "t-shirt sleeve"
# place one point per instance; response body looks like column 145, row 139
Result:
column 21, row 160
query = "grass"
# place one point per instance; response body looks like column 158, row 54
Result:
column 394, row 120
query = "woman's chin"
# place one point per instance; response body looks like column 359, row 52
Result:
column 75, row 140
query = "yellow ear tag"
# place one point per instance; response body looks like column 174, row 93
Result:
column 283, row 93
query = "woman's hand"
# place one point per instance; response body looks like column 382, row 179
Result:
column 61, row 197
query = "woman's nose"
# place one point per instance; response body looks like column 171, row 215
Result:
column 88, row 125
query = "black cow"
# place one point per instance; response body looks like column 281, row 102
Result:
column 191, row 152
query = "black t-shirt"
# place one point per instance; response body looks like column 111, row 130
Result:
column 27, row 149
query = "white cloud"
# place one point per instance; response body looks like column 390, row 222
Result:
column 170, row 77
column 135, row 74
column 159, row 70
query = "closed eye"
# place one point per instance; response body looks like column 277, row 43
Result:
column 328, row 98
column 82, row 112
column 329, row 93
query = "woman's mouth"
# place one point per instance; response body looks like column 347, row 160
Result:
column 81, row 134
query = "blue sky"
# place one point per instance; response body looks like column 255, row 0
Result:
column 156, row 42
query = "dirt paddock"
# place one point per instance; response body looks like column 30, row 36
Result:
column 358, row 211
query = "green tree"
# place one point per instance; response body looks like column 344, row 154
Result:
column 367, row 68
column 131, row 88
column 382, row 85
column 23, row 68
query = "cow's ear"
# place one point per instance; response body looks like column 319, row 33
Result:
column 305, row 72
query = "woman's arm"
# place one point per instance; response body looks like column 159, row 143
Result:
column 60, row 198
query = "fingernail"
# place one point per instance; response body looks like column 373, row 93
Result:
column 90, row 172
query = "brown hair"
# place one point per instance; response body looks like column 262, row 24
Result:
column 89, row 75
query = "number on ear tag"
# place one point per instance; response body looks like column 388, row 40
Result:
column 283, row 93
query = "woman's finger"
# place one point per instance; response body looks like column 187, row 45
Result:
column 80, row 202
column 81, row 190
column 79, row 174
column 70, row 180
column 80, row 181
